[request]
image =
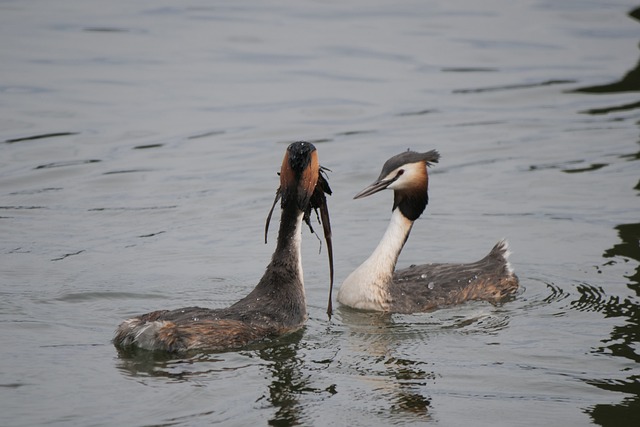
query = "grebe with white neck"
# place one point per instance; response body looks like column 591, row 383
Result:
column 376, row 285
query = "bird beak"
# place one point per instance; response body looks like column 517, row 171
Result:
column 374, row 188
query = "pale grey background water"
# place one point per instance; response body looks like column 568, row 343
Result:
column 139, row 144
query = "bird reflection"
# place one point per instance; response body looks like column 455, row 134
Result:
column 626, row 334
column 630, row 82
column 287, row 381
column 398, row 382
column 388, row 359
column 143, row 363
column 287, row 384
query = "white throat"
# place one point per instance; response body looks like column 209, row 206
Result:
column 290, row 252
column 367, row 286
column 297, row 243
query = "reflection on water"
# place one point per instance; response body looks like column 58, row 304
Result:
column 139, row 363
column 390, row 360
column 383, row 372
column 284, row 365
column 625, row 335
column 630, row 82
column 289, row 384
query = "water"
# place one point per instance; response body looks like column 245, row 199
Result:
column 139, row 145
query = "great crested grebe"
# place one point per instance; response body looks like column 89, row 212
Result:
column 276, row 305
column 375, row 285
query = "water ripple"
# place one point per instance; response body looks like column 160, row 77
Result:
column 40, row 136
column 67, row 163
column 595, row 299
column 514, row 86
column 129, row 208
column 60, row 258
column 93, row 295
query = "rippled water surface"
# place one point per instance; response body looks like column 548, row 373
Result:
column 139, row 145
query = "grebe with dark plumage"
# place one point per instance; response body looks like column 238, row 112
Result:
column 276, row 306
column 375, row 285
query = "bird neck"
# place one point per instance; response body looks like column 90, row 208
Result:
column 408, row 205
column 412, row 202
column 367, row 286
column 280, row 293
column 290, row 238
column 385, row 256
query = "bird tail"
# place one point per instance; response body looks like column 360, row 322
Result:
column 501, row 251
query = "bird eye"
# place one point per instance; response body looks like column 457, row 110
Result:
column 400, row 172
